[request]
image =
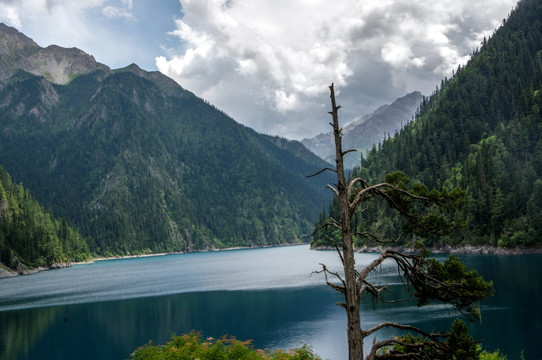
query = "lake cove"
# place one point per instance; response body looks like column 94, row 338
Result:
column 107, row 309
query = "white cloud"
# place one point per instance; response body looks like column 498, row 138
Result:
column 116, row 12
column 397, row 54
column 9, row 15
column 285, row 102
column 284, row 53
column 124, row 12
column 67, row 18
column 268, row 63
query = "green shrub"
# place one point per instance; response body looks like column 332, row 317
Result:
column 484, row 355
column 193, row 346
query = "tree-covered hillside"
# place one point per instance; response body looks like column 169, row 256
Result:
column 31, row 236
column 481, row 131
column 138, row 164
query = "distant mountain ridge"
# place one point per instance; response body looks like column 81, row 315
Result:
column 140, row 164
column 367, row 131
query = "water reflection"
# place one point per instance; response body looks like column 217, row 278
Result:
column 111, row 330
column 512, row 320
column 20, row 331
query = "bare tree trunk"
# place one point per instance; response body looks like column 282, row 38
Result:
column 426, row 279
column 355, row 338
column 352, row 294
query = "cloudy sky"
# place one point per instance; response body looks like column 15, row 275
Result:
column 267, row 63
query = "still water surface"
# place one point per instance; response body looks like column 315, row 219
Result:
column 106, row 309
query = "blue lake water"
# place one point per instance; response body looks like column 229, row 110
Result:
column 107, row 309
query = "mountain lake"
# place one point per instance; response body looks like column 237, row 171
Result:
column 106, row 309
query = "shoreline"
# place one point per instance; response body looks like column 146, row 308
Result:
column 457, row 250
column 119, row 257
column 460, row 250
column 6, row 272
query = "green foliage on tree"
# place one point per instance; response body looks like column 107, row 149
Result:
column 193, row 346
column 458, row 342
column 29, row 235
column 485, row 355
column 413, row 212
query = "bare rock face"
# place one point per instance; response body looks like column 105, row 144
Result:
column 56, row 64
column 60, row 65
column 14, row 49
column 14, row 45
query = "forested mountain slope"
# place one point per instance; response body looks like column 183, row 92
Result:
column 481, row 131
column 30, row 236
column 139, row 164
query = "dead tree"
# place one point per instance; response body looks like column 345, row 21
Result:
column 425, row 278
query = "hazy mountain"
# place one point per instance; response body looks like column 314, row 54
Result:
column 367, row 131
column 140, row 164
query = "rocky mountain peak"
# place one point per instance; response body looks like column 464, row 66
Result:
column 60, row 65
column 56, row 64
column 165, row 83
column 14, row 43
column 14, row 48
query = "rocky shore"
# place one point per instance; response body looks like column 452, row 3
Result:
column 23, row 270
column 466, row 250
